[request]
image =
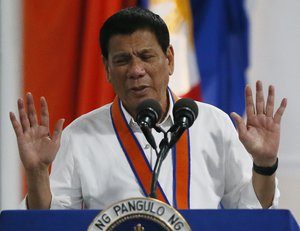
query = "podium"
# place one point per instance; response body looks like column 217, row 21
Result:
column 199, row 220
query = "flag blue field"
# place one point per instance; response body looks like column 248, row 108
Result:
column 220, row 32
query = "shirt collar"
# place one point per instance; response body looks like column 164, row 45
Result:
column 167, row 122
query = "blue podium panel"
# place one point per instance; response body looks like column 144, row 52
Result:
column 206, row 220
column 242, row 220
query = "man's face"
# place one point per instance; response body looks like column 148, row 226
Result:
column 138, row 69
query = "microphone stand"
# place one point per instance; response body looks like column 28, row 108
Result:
column 164, row 149
column 185, row 111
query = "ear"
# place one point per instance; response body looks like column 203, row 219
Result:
column 106, row 66
column 170, row 57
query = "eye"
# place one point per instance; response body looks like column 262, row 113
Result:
column 122, row 60
column 147, row 57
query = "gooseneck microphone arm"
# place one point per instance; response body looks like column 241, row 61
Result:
column 185, row 111
column 146, row 129
column 148, row 114
column 165, row 147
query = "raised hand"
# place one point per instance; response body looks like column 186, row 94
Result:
column 261, row 133
column 37, row 147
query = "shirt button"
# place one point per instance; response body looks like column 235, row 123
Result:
column 147, row 146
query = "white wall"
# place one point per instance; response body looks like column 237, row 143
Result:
column 10, row 69
column 275, row 59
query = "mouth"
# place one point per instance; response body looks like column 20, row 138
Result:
column 140, row 90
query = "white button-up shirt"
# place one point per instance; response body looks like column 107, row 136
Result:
column 91, row 170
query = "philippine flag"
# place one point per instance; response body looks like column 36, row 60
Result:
column 185, row 80
column 210, row 39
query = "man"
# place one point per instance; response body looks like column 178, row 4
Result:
column 104, row 157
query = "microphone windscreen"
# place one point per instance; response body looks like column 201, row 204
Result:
column 149, row 108
column 185, row 108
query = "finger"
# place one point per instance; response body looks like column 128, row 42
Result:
column 240, row 124
column 16, row 125
column 23, row 115
column 31, row 110
column 280, row 111
column 250, row 110
column 44, row 112
column 260, row 102
column 270, row 101
column 58, row 130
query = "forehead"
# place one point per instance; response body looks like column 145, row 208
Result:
column 138, row 40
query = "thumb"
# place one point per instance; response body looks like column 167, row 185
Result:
column 240, row 124
column 58, row 130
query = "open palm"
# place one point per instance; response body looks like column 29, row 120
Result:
column 37, row 147
column 261, row 133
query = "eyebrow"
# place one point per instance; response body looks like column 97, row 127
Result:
column 120, row 56
column 125, row 53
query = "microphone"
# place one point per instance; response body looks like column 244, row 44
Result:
column 148, row 114
column 185, row 111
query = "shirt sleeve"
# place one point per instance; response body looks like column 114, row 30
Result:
column 64, row 178
column 249, row 200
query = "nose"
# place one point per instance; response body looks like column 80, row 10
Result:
column 136, row 68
